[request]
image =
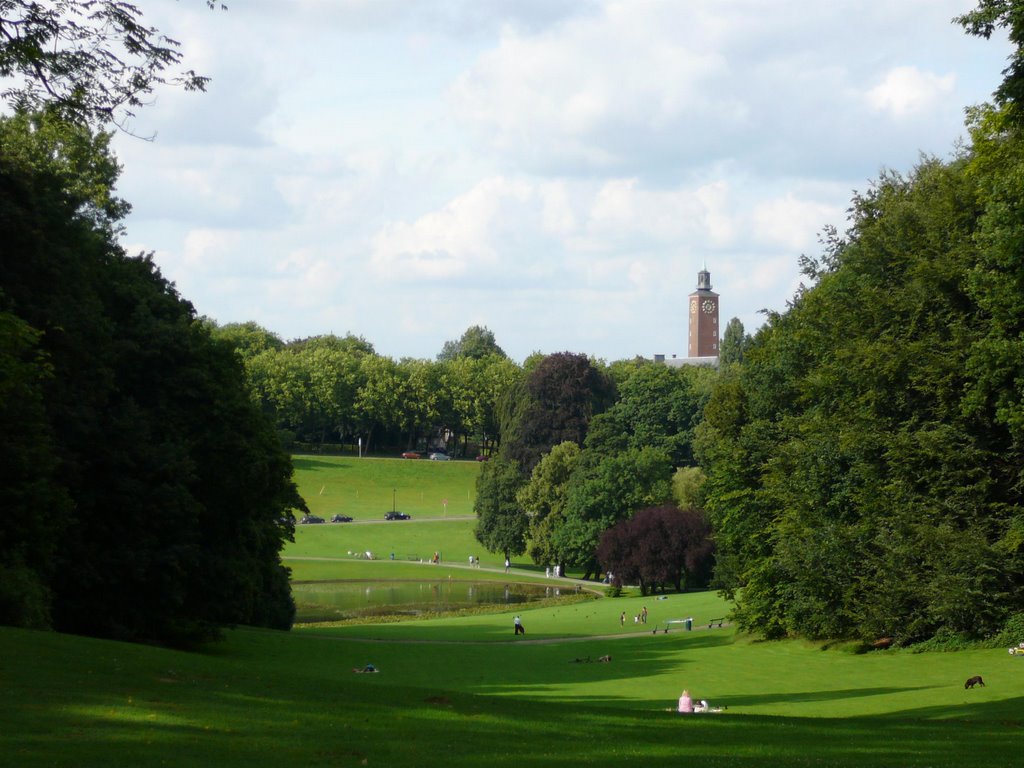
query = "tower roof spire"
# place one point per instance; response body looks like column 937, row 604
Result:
column 704, row 279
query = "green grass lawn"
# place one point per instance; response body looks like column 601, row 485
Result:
column 464, row 691
column 407, row 539
column 366, row 488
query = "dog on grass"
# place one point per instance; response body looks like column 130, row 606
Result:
column 973, row 681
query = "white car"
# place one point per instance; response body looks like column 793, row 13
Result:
column 439, row 457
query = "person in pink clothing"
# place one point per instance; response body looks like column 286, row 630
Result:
column 685, row 704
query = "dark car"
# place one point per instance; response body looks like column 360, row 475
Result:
column 483, row 457
column 310, row 520
column 396, row 516
column 341, row 519
column 411, row 455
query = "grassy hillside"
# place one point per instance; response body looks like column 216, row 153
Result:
column 465, row 692
column 362, row 488
column 416, row 538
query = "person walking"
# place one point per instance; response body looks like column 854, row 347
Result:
column 643, row 615
column 622, row 619
column 519, row 626
column 507, row 564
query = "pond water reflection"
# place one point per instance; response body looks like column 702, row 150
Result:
column 336, row 600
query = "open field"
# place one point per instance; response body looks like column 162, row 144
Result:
column 405, row 538
column 465, row 692
column 362, row 488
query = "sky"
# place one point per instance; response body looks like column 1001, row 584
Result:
column 555, row 170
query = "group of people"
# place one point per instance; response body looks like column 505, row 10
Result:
column 640, row 618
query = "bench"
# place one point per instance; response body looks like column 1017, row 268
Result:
column 716, row 623
column 668, row 625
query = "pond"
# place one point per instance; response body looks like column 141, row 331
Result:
column 337, row 600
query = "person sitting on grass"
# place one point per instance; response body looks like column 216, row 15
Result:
column 685, row 704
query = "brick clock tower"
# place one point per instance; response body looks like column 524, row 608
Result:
column 703, row 318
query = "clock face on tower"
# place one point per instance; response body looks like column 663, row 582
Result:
column 693, row 305
column 708, row 306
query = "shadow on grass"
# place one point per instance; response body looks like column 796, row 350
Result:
column 1007, row 712
column 487, row 633
column 360, row 724
column 270, row 699
column 313, row 463
column 812, row 696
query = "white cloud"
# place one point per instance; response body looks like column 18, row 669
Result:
column 462, row 237
column 906, row 91
column 557, row 170
column 792, row 223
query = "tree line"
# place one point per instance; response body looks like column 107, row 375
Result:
column 330, row 391
column 853, row 470
column 143, row 494
column 587, row 453
column 864, row 464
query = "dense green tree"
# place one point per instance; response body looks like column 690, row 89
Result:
column 501, row 522
column 419, row 398
column 248, row 339
column 177, row 485
column 734, row 341
column 861, row 478
column 35, row 505
column 379, row 403
column 476, row 343
column 468, row 393
column 686, row 487
column 657, row 407
column 556, row 402
column 543, row 498
column 602, row 491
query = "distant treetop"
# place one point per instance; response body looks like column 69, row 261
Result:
column 477, row 342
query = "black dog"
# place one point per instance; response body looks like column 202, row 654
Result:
column 973, row 681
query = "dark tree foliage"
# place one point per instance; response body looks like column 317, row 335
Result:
column 659, row 546
column 177, row 485
column 94, row 61
column 555, row 404
column 34, row 504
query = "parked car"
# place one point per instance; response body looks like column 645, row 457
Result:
column 439, row 456
column 411, row 455
column 481, row 457
column 396, row 516
column 341, row 519
column 310, row 520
